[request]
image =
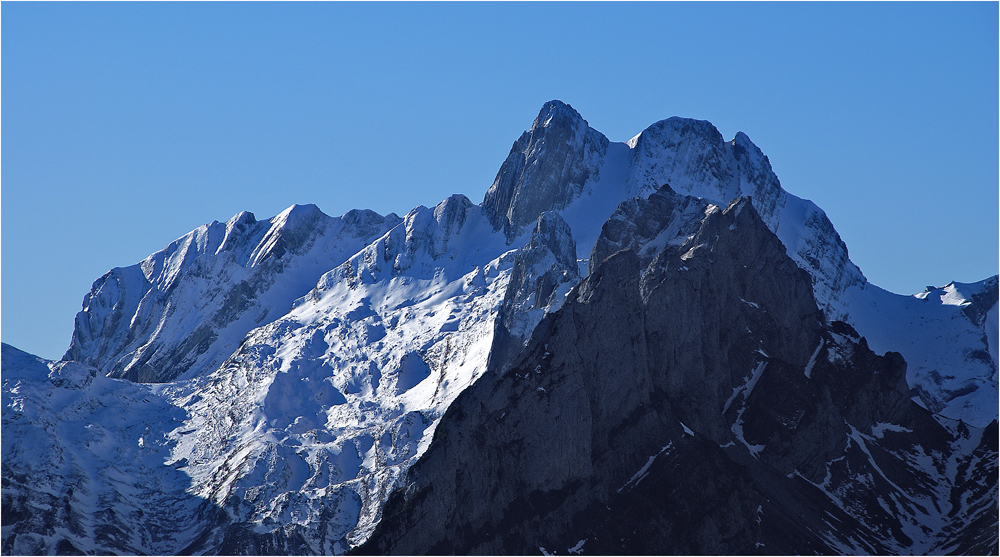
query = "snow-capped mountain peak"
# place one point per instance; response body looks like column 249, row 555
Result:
column 546, row 169
column 287, row 373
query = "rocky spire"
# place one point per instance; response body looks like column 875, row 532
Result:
column 546, row 169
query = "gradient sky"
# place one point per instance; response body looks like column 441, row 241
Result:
column 125, row 125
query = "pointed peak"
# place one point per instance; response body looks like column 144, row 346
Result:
column 297, row 216
column 556, row 113
column 546, row 169
column 552, row 231
column 452, row 210
column 742, row 143
column 665, row 190
column 241, row 218
column 743, row 213
column 549, row 220
column 297, row 209
column 743, row 139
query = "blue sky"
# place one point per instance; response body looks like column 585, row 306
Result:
column 125, row 125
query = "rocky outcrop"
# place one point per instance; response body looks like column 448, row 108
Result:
column 543, row 272
column 546, row 169
column 982, row 301
column 690, row 405
column 424, row 241
column 647, row 225
column 139, row 322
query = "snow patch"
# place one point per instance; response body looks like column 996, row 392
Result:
column 812, row 359
column 879, row 429
column 644, row 471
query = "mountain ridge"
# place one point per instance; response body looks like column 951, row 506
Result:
column 340, row 342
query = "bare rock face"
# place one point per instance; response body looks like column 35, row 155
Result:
column 692, row 156
column 646, row 225
column 546, row 169
column 690, row 402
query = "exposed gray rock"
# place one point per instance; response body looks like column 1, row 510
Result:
column 983, row 301
column 646, row 226
column 546, row 169
column 693, row 157
column 693, row 405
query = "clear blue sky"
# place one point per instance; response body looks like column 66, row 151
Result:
column 125, row 125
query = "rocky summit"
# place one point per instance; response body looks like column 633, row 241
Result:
column 641, row 347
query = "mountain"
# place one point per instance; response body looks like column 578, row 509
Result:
column 657, row 311
column 689, row 399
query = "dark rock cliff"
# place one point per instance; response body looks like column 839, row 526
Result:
column 689, row 402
